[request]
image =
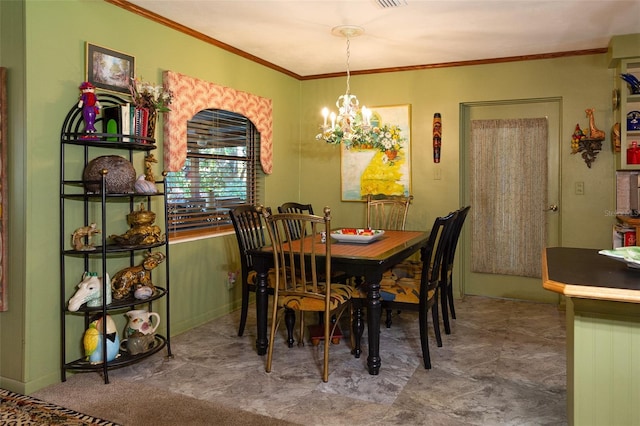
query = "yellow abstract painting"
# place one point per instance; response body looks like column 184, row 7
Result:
column 382, row 170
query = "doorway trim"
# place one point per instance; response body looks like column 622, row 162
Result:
column 553, row 163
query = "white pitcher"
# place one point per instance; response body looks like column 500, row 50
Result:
column 140, row 323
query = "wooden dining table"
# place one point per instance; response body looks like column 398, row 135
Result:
column 369, row 261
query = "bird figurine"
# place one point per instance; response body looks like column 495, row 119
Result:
column 633, row 82
column 143, row 186
column 93, row 340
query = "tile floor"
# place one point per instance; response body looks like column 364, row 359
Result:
column 503, row 364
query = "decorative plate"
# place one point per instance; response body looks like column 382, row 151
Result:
column 354, row 235
column 615, row 99
column 633, row 120
column 629, row 255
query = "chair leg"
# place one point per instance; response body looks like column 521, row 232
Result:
column 388, row 322
column 289, row 321
column 424, row 342
column 301, row 332
column 327, row 343
column 444, row 291
column 272, row 335
column 244, row 309
column 450, row 297
column 436, row 321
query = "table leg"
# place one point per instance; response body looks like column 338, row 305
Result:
column 374, row 310
column 357, row 328
column 262, row 308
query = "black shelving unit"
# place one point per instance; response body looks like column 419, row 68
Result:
column 75, row 198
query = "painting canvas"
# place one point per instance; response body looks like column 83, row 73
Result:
column 108, row 69
column 380, row 170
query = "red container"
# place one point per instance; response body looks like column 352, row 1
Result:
column 630, row 238
column 633, row 153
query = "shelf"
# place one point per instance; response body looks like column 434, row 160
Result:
column 79, row 206
column 123, row 359
column 140, row 143
column 98, row 195
column 113, row 248
column 116, row 305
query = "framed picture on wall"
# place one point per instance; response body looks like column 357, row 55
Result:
column 385, row 167
column 108, row 69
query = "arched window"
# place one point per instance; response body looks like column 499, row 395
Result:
column 221, row 171
column 214, row 137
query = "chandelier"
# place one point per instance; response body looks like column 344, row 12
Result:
column 352, row 124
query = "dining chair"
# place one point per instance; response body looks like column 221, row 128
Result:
column 418, row 288
column 292, row 207
column 446, row 291
column 388, row 213
column 297, row 231
column 297, row 276
column 248, row 224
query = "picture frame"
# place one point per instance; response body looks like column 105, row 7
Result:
column 109, row 69
column 381, row 173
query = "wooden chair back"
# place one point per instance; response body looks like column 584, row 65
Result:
column 248, row 224
column 434, row 253
column 446, row 290
column 296, row 228
column 389, row 213
column 295, row 258
column 455, row 235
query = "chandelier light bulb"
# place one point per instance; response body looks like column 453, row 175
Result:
column 325, row 114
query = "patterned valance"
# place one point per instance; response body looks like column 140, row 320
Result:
column 191, row 95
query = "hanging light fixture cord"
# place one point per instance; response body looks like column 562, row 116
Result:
column 351, row 125
column 348, row 57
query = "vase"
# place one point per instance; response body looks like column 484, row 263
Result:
column 140, row 323
column 151, row 128
column 391, row 153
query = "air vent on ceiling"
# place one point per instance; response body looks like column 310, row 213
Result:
column 391, row 3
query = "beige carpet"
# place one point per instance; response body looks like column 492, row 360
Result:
column 133, row 403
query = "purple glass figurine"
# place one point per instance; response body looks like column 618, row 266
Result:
column 90, row 108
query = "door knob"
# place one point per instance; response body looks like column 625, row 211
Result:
column 553, row 208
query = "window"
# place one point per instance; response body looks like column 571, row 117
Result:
column 222, row 170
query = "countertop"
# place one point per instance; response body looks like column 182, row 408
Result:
column 583, row 273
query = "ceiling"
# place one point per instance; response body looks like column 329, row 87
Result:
column 296, row 35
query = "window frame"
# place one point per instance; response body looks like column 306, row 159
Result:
column 220, row 130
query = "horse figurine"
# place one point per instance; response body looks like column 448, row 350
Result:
column 90, row 291
column 594, row 133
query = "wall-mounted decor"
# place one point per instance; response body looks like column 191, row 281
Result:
column 382, row 167
column 108, row 69
column 437, row 137
column 3, row 189
column 589, row 144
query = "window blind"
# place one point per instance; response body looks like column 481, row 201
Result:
column 220, row 172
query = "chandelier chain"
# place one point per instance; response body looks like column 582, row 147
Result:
column 348, row 70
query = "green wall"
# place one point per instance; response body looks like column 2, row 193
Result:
column 50, row 45
column 579, row 81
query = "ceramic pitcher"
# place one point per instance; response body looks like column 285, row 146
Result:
column 140, row 323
